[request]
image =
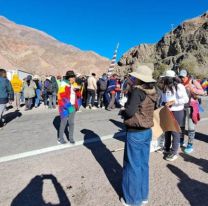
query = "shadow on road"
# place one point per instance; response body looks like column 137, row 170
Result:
column 122, row 130
column 194, row 191
column 9, row 107
column 203, row 163
column 118, row 124
column 31, row 195
column 56, row 124
column 11, row 116
column 202, row 137
column 105, row 158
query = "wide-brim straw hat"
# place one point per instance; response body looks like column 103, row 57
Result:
column 143, row 73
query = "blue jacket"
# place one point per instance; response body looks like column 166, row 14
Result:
column 6, row 91
column 111, row 85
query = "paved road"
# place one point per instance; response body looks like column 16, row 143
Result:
column 90, row 175
column 37, row 129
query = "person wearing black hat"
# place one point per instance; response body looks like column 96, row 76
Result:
column 68, row 96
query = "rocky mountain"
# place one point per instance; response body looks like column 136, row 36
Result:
column 35, row 51
column 186, row 46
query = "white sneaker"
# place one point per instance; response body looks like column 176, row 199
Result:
column 87, row 107
column 93, row 108
column 144, row 202
column 171, row 157
column 61, row 141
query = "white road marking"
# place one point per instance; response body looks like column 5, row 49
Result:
column 60, row 147
column 57, row 147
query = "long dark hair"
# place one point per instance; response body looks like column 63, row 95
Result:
column 169, row 83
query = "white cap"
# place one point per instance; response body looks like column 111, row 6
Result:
column 170, row 73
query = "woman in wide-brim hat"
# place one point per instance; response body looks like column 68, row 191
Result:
column 138, row 118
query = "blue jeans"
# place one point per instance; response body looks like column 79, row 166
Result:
column 37, row 98
column 107, row 97
column 135, row 183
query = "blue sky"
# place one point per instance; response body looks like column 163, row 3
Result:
column 98, row 25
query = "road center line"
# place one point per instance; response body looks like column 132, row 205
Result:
column 60, row 147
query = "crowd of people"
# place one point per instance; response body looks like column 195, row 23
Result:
column 137, row 94
column 103, row 92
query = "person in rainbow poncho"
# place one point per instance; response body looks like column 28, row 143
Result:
column 69, row 96
column 204, row 85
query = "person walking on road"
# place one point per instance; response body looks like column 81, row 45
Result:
column 91, row 91
column 17, row 88
column 6, row 94
column 68, row 96
column 138, row 118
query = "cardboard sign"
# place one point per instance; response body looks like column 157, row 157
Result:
column 164, row 121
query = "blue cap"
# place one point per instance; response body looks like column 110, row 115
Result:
column 183, row 73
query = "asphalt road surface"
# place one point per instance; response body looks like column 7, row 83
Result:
column 90, row 174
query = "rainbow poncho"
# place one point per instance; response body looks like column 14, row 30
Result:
column 204, row 85
column 65, row 106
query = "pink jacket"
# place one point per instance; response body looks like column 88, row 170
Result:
column 195, row 89
column 195, row 116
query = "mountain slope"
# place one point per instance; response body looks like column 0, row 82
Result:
column 37, row 52
column 186, row 46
